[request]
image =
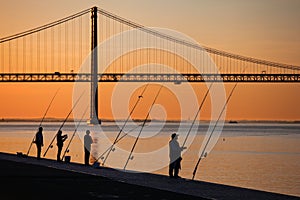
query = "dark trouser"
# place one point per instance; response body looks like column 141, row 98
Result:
column 174, row 167
column 59, row 148
column 39, row 150
column 86, row 156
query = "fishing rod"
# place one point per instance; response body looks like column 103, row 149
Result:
column 43, row 119
column 131, row 157
column 203, row 153
column 111, row 147
column 50, row 145
column 67, row 148
column 121, row 130
column 197, row 113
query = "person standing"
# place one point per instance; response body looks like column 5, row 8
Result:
column 87, row 147
column 175, row 156
column 39, row 142
column 60, row 143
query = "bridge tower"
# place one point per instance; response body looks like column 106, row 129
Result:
column 94, row 69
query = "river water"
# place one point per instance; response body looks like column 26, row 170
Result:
column 263, row 156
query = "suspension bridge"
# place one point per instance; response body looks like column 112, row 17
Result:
column 56, row 51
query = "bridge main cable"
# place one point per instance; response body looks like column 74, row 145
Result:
column 193, row 45
column 46, row 26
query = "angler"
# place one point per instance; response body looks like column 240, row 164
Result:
column 59, row 130
column 67, row 148
column 38, row 138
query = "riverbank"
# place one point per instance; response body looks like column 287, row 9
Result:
column 30, row 178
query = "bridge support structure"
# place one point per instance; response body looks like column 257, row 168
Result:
column 94, row 119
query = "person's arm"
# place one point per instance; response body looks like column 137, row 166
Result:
column 181, row 148
column 65, row 137
column 34, row 141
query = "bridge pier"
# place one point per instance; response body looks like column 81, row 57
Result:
column 94, row 70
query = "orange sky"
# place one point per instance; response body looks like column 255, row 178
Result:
column 262, row 29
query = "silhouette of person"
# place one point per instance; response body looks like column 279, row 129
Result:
column 175, row 156
column 87, row 147
column 60, row 143
column 39, row 141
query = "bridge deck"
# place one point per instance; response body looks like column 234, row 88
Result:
column 176, row 78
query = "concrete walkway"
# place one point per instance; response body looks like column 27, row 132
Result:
column 202, row 190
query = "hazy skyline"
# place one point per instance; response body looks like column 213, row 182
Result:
column 267, row 29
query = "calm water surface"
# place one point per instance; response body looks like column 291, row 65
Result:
column 263, row 156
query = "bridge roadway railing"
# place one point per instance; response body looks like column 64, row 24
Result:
column 149, row 77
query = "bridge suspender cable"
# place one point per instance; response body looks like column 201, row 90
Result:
column 117, row 139
column 50, row 145
column 43, row 118
column 129, row 157
column 203, row 153
column 67, row 148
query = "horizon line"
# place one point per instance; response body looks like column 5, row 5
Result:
column 56, row 119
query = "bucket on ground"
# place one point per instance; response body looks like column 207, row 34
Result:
column 67, row 159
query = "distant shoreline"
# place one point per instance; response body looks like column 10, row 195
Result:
column 141, row 120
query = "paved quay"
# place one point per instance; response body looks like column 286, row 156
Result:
column 47, row 179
